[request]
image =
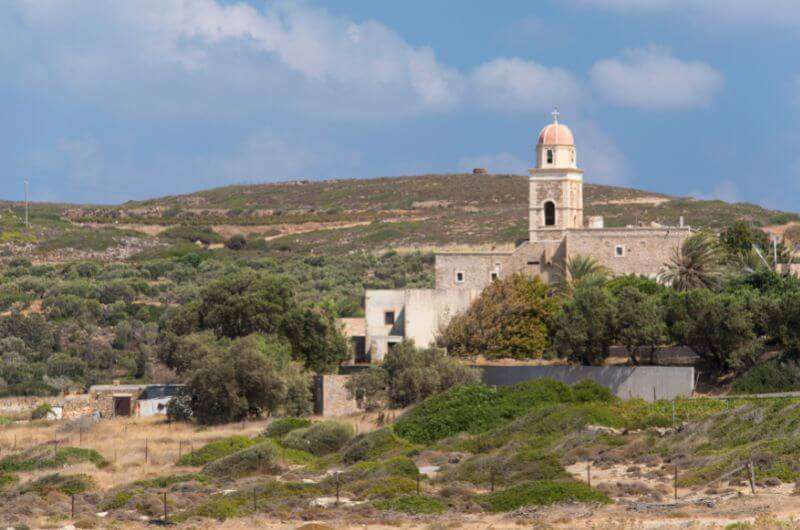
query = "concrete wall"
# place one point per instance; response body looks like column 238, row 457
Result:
column 645, row 382
column 428, row 310
column 645, row 250
column 331, row 397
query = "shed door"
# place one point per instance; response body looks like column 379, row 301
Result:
column 122, row 406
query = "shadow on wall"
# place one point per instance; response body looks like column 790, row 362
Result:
column 646, row 382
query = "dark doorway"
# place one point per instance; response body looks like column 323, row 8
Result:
column 360, row 347
column 549, row 213
column 122, row 405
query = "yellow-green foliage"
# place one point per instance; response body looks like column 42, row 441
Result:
column 412, row 504
column 44, row 457
column 66, row 484
column 508, row 319
column 540, row 492
column 216, row 450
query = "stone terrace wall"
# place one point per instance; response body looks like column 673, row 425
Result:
column 330, row 396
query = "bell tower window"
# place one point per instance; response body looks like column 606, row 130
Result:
column 549, row 156
column 549, row 213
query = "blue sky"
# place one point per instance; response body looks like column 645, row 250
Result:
column 106, row 101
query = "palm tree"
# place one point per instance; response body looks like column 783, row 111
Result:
column 698, row 262
column 580, row 270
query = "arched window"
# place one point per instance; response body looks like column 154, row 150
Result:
column 549, row 213
column 549, row 156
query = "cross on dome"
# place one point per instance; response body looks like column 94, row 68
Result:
column 556, row 114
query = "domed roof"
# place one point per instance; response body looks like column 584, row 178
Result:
column 556, row 134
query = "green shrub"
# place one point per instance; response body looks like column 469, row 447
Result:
column 216, row 450
column 320, row 438
column 412, row 504
column 540, row 492
column 281, row 427
column 477, row 408
column 116, row 500
column 203, row 234
column 41, row 411
column 66, row 484
column 7, row 480
column 43, row 457
column 261, row 458
column 772, row 376
column 372, row 445
column 386, row 488
column 588, row 390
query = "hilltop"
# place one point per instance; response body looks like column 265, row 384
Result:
column 396, row 212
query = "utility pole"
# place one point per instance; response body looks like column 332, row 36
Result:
column 27, row 224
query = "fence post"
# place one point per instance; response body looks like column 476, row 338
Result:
column 72, row 506
column 673, row 413
column 676, row 483
column 180, row 449
column 80, row 436
column 166, row 518
column 752, row 476
column 589, row 474
column 418, row 474
column 146, row 448
column 337, row 487
column 255, row 505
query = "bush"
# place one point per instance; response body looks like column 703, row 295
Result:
column 588, row 390
column 412, row 504
column 540, row 492
column 508, row 319
column 280, row 427
column 203, row 234
column 179, row 407
column 261, row 458
column 41, row 411
column 772, row 376
column 66, row 484
column 372, row 445
column 216, row 450
column 477, row 408
column 412, row 374
column 236, row 242
column 320, row 438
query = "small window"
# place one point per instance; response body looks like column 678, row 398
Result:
column 549, row 156
column 495, row 275
column 619, row 251
column 388, row 318
column 459, row 277
column 549, row 213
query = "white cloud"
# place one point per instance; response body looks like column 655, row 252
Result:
column 500, row 163
column 651, row 78
column 204, row 56
column 513, row 84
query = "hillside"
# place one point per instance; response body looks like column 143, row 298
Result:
column 417, row 211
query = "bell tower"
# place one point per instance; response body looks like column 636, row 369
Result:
column 556, row 185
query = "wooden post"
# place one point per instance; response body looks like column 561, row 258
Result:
column 418, row 474
column 589, row 474
column 654, row 394
column 180, row 448
column 166, row 518
column 72, row 506
column 255, row 505
column 80, row 436
column 337, row 487
column 146, row 448
column 673, row 413
column 491, row 479
column 676, row 483
column 752, row 476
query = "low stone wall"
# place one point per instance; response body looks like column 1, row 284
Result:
column 71, row 406
column 645, row 382
column 331, row 397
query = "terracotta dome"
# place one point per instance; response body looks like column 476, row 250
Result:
column 556, row 134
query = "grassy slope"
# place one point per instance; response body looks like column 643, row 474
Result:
column 426, row 210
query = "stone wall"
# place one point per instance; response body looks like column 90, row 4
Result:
column 645, row 250
column 645, row 382
column 70, row 406
column 331, row 398
column 476, row 267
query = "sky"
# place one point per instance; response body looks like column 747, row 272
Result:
column 103, row 101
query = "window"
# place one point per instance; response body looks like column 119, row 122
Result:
column 459, row 277
column 494, row 275
column 388, row 318
column 549, row 156
column 549, row 213
column 619, row 251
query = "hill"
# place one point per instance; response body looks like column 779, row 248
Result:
column 411, row 211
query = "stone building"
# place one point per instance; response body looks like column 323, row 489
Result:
column 557, row 232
